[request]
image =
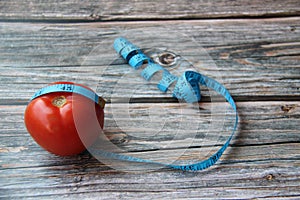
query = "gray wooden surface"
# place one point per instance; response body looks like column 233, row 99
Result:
column 255, row 46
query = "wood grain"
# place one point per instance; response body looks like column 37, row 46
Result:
column 75, row 10
column 262, row 161
column 252, row 47
column 264, row 61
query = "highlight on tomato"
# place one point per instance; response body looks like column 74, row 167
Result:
column 53, row 121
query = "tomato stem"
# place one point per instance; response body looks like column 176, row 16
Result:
column 59, row 101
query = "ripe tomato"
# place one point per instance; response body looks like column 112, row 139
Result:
column 64, row 123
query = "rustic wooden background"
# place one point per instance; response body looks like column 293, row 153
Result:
column 256, row 46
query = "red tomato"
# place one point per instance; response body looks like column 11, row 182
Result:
column 64, row 123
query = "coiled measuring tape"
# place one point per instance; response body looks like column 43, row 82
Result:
column 186, row 88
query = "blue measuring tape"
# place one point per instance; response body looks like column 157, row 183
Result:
column 71, row 88
column 186, row 88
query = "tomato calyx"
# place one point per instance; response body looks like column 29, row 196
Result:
column 59, row 101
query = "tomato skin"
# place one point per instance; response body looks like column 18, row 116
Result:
column 54, row 126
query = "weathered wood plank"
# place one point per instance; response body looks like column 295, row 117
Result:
column 62, row 44
column 262, row 161
column 278, row 125
column 278, row 121
column 91, row 177
column 142, row 10
column 259, row 179
column 264, row 61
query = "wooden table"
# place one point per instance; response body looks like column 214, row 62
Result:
column 256, row 48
